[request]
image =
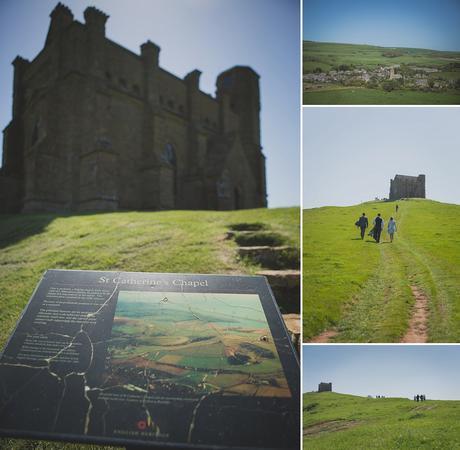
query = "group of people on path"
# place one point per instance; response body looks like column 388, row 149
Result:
column 419, row 398
column 362, row 223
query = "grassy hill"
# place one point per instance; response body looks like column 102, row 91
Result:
column 363, row 289
column 170, row 241
column 328, row 55
column 341, row 422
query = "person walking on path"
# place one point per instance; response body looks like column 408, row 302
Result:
column 362, row 223
column 397, row 207
column 378, row 227
column 391, row 228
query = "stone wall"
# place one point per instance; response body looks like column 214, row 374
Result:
column 325, row 387
column 404, row 186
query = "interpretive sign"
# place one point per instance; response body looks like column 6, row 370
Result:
column 167, row 360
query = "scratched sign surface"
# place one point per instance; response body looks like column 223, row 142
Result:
column 124, row 358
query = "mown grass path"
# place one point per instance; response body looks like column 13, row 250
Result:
column 360, row 291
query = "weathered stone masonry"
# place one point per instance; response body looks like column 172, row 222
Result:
column 404, row 186
column 325, row 387
column 98, row 127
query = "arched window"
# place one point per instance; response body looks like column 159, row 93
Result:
column 35, row 132
column 169, row 155
column 224, row 185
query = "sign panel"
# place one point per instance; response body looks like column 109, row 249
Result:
column 167, row 360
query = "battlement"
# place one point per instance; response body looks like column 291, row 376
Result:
column 95, row 19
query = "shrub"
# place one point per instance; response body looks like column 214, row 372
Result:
column 387, row 86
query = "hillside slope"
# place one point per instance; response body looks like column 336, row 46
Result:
column 170, row 241
column 343, row 422
column 366, row 292
column 328, row 55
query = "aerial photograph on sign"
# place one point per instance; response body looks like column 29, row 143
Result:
column 188, row 344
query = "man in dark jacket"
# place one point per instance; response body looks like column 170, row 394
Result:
column 378, row 227
column 362, row 223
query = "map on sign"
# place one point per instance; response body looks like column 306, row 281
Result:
column 194, row 343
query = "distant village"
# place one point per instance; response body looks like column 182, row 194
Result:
column 386, row 77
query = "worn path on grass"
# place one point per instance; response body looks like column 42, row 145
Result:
column 402, row 301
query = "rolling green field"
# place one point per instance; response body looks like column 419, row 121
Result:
column 328, row 55
column 334, row 421
column 362, row 290
column 170, row 241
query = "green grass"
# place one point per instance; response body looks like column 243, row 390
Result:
column 172, row 241
column 389, row 423
column 364, row 96
column 363, row 289
column 327, row 55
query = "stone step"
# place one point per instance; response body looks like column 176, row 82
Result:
column 293, row 323
column 285, row 285
column 247, row 226
column 258, row 238
column 289, row 278
column 280, row 257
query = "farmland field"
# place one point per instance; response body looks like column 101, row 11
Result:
column 176, row 343
column 329, row 55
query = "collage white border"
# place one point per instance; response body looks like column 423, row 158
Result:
column 302, row 344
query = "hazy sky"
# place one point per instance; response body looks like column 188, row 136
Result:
column 390, row 370
column 432, row 24
column 211, row 35
column 350, row 154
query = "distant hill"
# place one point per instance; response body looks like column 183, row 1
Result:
column 364, row 292
column 328, row 55
column 342, row 422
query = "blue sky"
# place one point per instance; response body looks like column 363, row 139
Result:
column 432, row 24
column 350, row 154
column 390, row 370
column 211, row 35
